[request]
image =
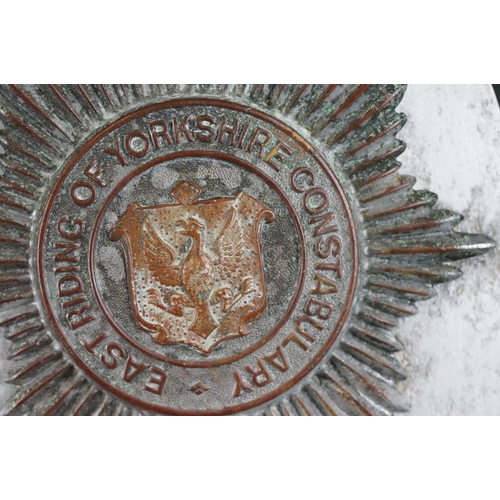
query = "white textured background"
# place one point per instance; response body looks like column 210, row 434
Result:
column 453, row 344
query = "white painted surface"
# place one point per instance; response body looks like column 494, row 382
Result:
column 453, row 344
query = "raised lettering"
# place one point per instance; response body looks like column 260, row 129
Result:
column 300, row 330
column 182, row 128
column 117, row 153
column 74, row 302
column 90, row 346
column 83, row 193
column 70, row 235
column 73, row 286
column 240, row 385
column 324, row 286
column 159, row 130
column 332, row 246
column 336, row 267
column 229, row 131
column 71, row 269
column 277, row 153
column 132, row 369
column 243, row 136
column 278, row 360
column 65, row 256
column 260, row 139
column 206, row 124
column 115, row 352
column 319, row 309
column 260, row 377
column 80, row 318
column 93, row 173
column 318, row 193
column 323, row 228
column 294, row 178
column 293, row 338
column 157, row 381
column 137, row 144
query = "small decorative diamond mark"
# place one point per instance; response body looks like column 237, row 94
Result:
column 186, row 193
column 199, row 388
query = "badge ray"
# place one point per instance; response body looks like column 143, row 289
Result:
column 107, row 408
column 90, row 100
column 28, row 368
column 273, row 411
column 305, row 406
column 59, row 93
column 367, row 384
column 394, row 305
column 377, row 359
column 380, row 337
column 324, row 405
column 408, row 245
column 330, row 390
column 91, row 404
column 377, row 317
column 28, row 343
column 427, row 272
column 286, row 409
column 38, row 390
column 31, row 100
column 65, row 395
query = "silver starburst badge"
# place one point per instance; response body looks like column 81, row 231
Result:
column 212, row 249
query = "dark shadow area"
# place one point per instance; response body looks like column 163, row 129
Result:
column 496, row 88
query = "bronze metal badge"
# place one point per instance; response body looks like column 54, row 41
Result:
column 212, row 249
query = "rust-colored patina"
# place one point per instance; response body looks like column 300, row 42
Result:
column 195, row 269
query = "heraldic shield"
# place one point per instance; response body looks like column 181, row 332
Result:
column 195, row 269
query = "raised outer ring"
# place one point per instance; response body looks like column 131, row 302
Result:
column 288, row 131
column 178, row 362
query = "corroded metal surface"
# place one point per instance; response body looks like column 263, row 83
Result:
column 212, row 249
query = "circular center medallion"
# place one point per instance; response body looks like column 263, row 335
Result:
column 202, row 257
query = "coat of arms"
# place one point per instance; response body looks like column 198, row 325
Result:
column 195, row 269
